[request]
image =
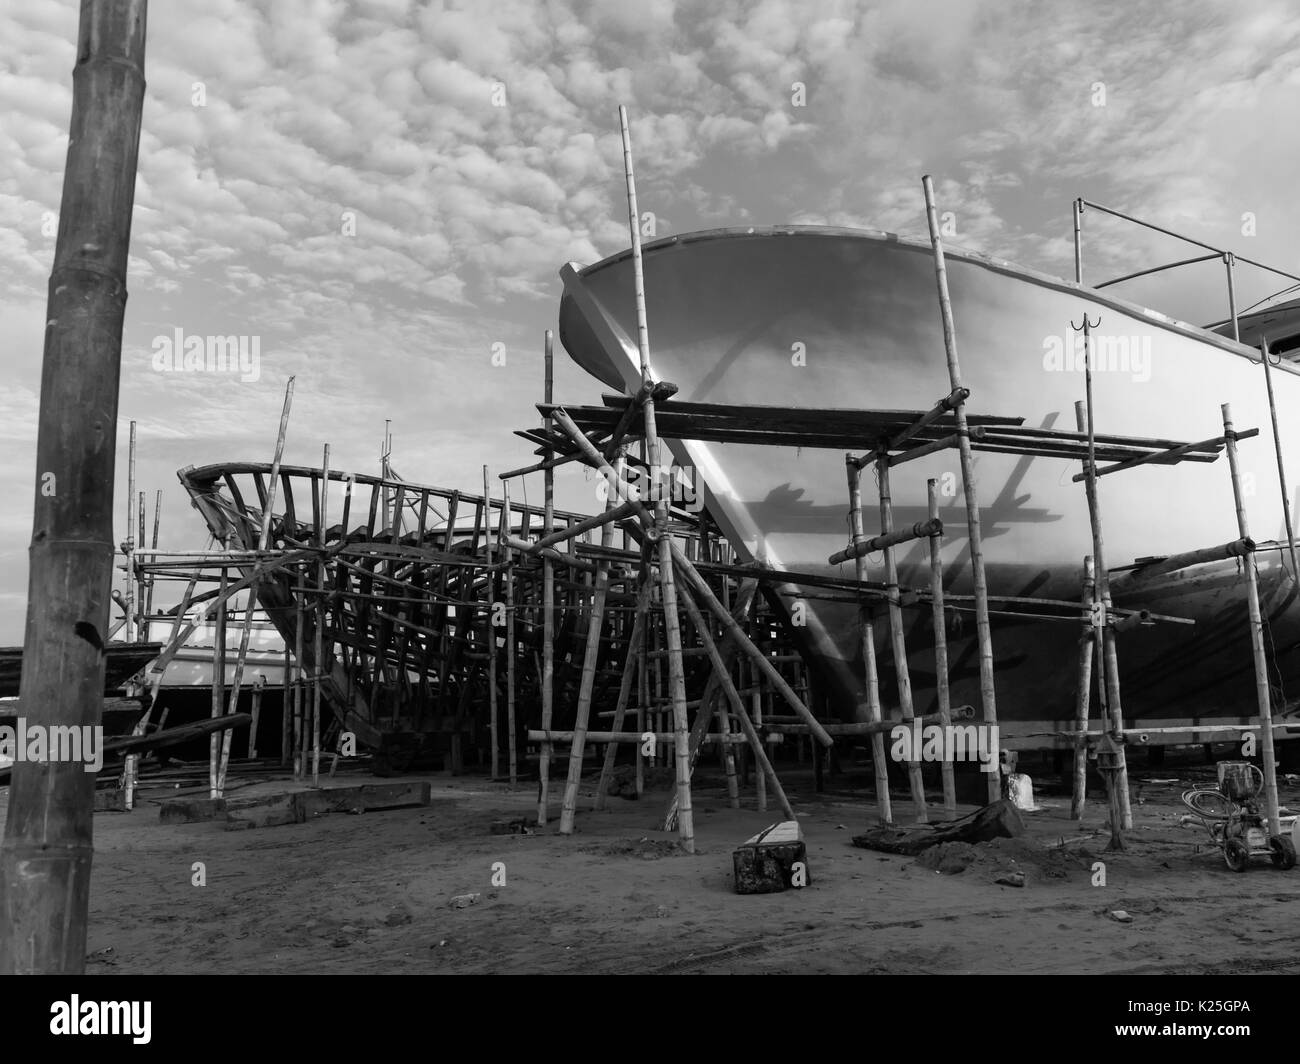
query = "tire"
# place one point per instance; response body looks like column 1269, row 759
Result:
column 1237, row 855
column 1281, row 852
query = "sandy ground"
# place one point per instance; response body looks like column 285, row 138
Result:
column 371, row 893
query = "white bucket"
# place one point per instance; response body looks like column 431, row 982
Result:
column 1020, row 789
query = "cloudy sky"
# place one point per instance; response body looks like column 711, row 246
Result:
column 382, row 190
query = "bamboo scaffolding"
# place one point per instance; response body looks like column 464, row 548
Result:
column 982, row 628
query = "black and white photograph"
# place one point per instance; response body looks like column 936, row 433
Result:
column 651, row 487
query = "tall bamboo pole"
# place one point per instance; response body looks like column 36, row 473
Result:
column 1263, row 696
column 140, row 577
column 940, row 648
column 129, row 548
column 512, row 646
column 1108, row 657
column 490, row 628
column 548, row 591
column 157, row 518
column 218, row 680
column 321, row 613
column 676, row 674
column 884, row 805
column 983, row 632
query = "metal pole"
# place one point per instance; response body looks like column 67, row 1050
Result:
column 1281, row 468
column 48, row 845
column 1078, row 241
column 1232, row 295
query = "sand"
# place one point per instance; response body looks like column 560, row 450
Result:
column 373, row 892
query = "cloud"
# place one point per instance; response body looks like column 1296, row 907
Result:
column 380, row 190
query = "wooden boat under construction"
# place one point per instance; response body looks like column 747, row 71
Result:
column 802, row 323
column 404, row 588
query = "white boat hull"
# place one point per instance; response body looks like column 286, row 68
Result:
column 817, row 318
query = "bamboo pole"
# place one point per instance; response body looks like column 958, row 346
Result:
column 1109, row 670
column 590, row 659
column 1087, row 644
column 983, row 632
column 868, row 638
column 548, row 591
column 299, row 694
column 512, row 647
column 129, row 547
column 157, row 518
column 321, row 613
column 676, row 674
column 897, row 636
column 491, row 633
column 218, row 682
column 1263, row 696
column 141, row 626
column 286, row 708
column 940, row 646
column 259, row 684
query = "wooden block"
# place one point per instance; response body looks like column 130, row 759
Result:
column 765, row 864
column 395, row 795
column 110, row 801
column 191, row 810
column 267, row 812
